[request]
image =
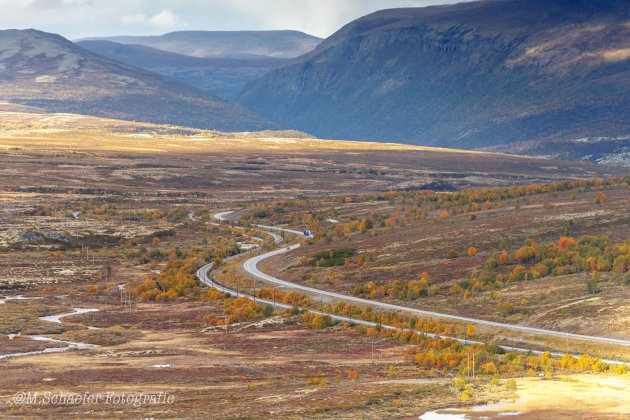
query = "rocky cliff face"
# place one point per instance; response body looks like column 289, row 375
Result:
column 469, row 75
column 49, row 72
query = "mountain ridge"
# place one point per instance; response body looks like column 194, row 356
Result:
column 233, row 44
column 470, row 75
column 47, row 71
column 221, row 76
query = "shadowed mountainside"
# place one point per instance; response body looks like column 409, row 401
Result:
column 221, row 76
column 470, row 75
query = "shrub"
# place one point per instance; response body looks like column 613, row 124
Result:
column 332, row 257
column 451, row 253
column 511, row 385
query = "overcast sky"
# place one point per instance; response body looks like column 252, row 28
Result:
column 83, row 18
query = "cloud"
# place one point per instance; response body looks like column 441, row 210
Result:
column 135, row 19
column 77, row 2
column 165, row 19
column 16, row 3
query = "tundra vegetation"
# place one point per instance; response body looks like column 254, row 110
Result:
column 120, row 226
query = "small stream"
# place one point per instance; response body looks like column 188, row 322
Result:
column 18, row 297
column 69, row 345
column 57, row 318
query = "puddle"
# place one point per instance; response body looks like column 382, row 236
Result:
column 486, row 412
column 442, row 415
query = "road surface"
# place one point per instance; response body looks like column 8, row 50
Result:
column 278, row 229
column 251, row 267
column 203, row 274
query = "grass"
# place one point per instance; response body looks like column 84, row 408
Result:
column 131, row 189
column 332, row 257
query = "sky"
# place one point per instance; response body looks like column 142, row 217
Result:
column 85, row 18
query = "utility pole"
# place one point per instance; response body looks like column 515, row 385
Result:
column 372, row 350
column 468, row 365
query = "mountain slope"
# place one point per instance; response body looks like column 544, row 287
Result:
column 221, row 76
column 233, row 44
column 470, row 75
column 49, row 72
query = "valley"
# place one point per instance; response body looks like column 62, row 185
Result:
column 220, row 63
column 329, row 210
column 99, row 213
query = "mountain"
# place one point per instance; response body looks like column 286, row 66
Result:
column 471, row 75
column 230, row 44
column 220, row 76
column 47, row 71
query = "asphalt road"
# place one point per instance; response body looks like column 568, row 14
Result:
column 251, row 267
column 203, row 274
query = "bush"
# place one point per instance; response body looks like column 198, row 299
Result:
column 331, row 258
column 510, row 384
column 506, row 309
column 591, row 283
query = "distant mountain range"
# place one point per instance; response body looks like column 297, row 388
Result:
column 226, row 44
column 220, row 63
column 535, row 76
column 221, row 76
column 47, row 71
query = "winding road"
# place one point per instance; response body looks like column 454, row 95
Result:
column 203, row 274
column 251, row 267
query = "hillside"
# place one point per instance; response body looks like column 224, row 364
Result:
column 60, row 150
column 47, row 71
column 233, row 44
column 470, row 75
column 220, row 76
